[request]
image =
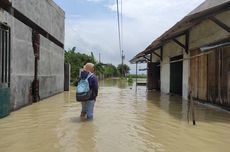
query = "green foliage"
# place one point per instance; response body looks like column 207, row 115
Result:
column 130, row 80
column 110, row 71
column 99, row 68
column 138, row 76
column 78, row 60
column 123, row 70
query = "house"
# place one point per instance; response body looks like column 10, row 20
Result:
column 31, row 52
column 193, row 55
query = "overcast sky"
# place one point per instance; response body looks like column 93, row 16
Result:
column 91, row 25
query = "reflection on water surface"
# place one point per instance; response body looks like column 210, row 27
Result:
column 125, row 121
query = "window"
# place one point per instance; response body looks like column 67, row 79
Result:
column 4, row 55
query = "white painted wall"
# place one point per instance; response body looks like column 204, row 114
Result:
column 208, row 32
column 170, row 49
column 165, row 68
column 165, row 75
column 186, row 74
column 205, row 33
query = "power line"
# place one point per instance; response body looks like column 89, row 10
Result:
column 122, row 42
column 120, row 33
column 119, row 28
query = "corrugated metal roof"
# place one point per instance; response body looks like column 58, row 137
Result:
column 207, row 48
column 138, row 60
column 208, row 7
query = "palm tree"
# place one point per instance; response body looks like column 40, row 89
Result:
column 123, row 69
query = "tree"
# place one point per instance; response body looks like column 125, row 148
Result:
column 110, row 71
column 123, row 69
column 77, row 61
column 98, row 67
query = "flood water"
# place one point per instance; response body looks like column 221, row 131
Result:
column 125, row 121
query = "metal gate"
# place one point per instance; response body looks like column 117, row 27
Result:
column 4, row 70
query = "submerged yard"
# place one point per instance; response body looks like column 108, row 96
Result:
column 125, row 121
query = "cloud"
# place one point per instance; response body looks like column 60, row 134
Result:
column 95, row 35
column 143, row 21
column 152, row 9
column 95, row 1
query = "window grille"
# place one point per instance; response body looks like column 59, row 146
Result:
column 4, row 55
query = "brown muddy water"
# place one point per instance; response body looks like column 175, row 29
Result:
column 124, row 121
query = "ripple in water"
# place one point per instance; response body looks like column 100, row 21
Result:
column 125, row 121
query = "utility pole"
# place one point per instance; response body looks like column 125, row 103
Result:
column 122, row 57
column 122, row 62
column 99, row 57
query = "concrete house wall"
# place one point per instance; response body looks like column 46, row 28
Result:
column 50, row 17
column 205, row 33
column 45, row 13
column 171, row 49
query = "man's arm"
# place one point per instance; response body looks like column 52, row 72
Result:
column 95, row 86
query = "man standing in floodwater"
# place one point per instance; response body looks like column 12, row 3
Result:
column 88, row 106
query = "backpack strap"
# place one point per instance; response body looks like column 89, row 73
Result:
column 89, row 75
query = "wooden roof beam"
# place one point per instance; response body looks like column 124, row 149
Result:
column 152, row 50
column 186, row 45
column 179, row 43
column 146, row 58
column 5, row 3
column 219, row 23
column 156, row 54
column 187, row 37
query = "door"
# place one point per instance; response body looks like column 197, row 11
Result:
column 176, row 75
column 153, row 73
